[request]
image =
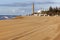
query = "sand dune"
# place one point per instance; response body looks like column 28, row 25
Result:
column 30, row 28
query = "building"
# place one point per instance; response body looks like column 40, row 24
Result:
column 38, row 13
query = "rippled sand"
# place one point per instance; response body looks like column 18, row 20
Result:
column 30, row 28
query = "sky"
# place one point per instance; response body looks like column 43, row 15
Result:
column 20, row 7
column 12, row 1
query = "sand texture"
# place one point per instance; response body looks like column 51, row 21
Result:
column 30, row 28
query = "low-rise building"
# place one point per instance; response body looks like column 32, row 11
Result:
column 38, row 13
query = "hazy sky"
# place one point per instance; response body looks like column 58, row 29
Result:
column 12, row 1
column 9, row 7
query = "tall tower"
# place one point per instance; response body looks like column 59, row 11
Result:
column 33, row 8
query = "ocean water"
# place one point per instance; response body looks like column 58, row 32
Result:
column 5, row 17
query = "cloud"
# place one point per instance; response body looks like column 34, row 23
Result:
column 29, row 3
column 16, row 4
column 44, row 0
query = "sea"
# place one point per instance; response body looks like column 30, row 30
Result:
column 5, row 17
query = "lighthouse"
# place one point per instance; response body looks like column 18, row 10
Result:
column 33, row 9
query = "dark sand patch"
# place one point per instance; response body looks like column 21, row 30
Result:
column 58, row 29
column 47, row 38
column 57, row 38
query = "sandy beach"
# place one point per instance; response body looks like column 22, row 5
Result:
column 30, row 28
